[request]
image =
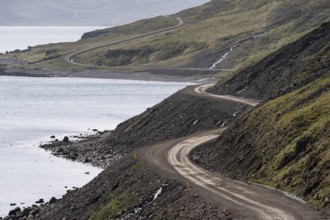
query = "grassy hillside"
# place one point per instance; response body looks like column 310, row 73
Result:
column 285, row 142
column 210, row 30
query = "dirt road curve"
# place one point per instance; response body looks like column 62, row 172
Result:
column 245, row 201
column 202, row 90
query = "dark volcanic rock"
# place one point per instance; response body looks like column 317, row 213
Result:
column 181, row 114
column 119, row 185
column 14, row 211
column 66, row 139
column 27, row 211
column 40, row 201
column 53, row 200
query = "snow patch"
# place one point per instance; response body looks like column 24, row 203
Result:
column 257, row 36
column 158, row 193
column 223, row 57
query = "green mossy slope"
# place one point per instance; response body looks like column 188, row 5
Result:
column 292, row 135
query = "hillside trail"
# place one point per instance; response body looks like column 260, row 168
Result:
column 70, row 58
column 240, row 200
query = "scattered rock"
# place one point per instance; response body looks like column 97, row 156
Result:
column 66, row 139
column 27, row 211
column 34, row 212
column 12, row 204
column 95, row 130
column 13, row 212
column 19, row 214
column 52, row 137
column 87, row 173
column 53, row 200
column 40, row 201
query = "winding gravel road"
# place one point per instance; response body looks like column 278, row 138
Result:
column 245, row 201
column 70, row 58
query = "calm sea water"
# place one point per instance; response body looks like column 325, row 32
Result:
column 13, row 37
column 109, row 12
column 33, row 109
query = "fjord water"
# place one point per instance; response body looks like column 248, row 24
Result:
column 16, row 37
column 43, row 22
column 33, row 109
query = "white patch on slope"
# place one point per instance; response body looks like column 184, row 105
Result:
column 223, row 57
column 158, row 193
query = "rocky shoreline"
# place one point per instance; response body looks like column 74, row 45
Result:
column 114, row 151
column 162, row 75
column 84, row 149
column 121, row 180
column 75, row 150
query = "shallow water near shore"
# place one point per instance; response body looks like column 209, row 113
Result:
column 33, row 109
column 16, row 37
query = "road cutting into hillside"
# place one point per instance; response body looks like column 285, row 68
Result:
column 244, row 201
column 70, row 58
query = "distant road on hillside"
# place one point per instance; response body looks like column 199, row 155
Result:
column 70, row 58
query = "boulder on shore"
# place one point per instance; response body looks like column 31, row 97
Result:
column 13, row 212
column 66, row 139
column 40, row 201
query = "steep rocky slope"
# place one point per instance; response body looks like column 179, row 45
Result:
column 128, row 190
column 291, row 67
column 179, row 115
column 284, row 142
